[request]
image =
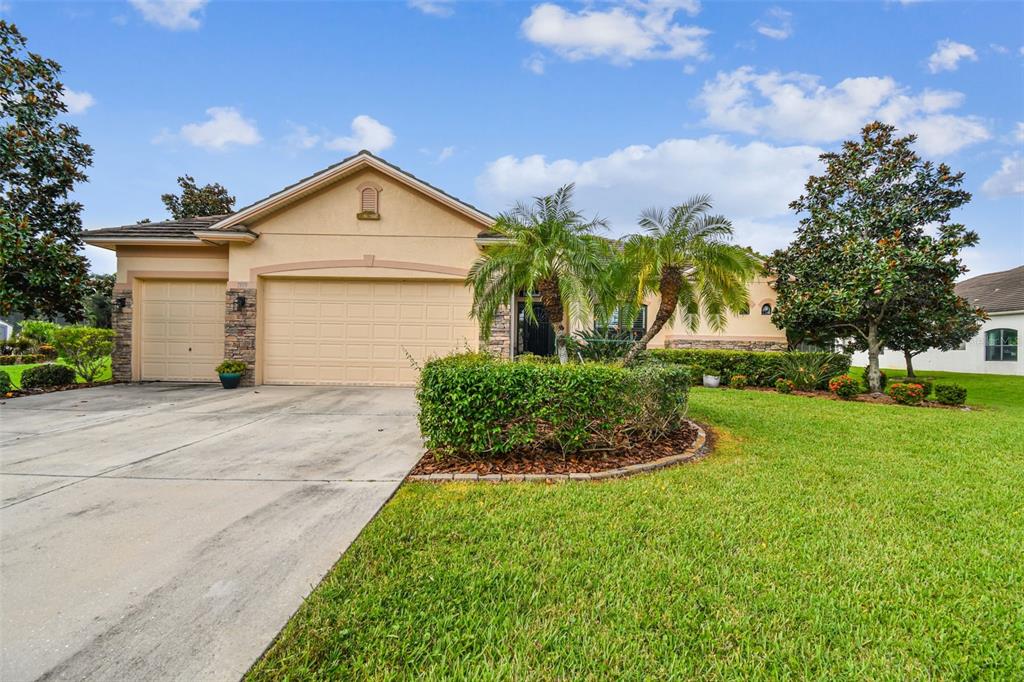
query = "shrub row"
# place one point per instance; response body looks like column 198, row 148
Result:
column 761, row 368
column 474, row 405
column 25, row 359
column 47, row 376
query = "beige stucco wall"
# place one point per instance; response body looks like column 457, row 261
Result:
column 415, row 237
column 154, row 262
column 754, row 326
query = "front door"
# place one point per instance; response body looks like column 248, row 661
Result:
column 537, row 337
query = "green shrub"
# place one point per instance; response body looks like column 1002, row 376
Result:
column 738, row 381
column 47, row 351
column 761, row 368
column 605, row 345
column 864, row 379
column 232, row 367
column 84, row 348
column 39, row 332
column 784, row 386
column 926, row 383
column 6, row 385
column 16, row 345
column 809, row 371
column 951, row 394
column 906, row 394
column 26, row 359
column 844, row 386
column 474, row 405
column 537, row 359
column 47, row 376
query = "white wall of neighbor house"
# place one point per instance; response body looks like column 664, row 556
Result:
column 970, row 359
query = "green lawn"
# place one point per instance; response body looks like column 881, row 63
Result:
column 821, row 539
column 15, row 371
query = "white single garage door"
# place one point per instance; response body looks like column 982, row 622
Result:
column 361, row 332
column 182, row 329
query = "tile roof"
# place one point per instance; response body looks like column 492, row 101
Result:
column 180, row 229
column 996, row 292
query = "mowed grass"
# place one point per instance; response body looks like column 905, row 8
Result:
column 15, row 372
column 821, row 540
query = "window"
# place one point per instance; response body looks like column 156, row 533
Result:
column 369, row 202
column 766, row 309
column 1001, row 345
column 638, row 329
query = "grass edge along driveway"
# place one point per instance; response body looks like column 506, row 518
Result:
column 822, row 538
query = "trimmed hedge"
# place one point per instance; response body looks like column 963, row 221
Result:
column 6, row 385
column 476, row 406
column 950, row 394
column 761, row 368
column 47, row 376
column 26, row 359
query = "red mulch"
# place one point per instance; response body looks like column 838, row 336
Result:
column 21, row 392
column 550, row 461
column 879, row 398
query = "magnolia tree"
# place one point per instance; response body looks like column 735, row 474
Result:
column 195, row 200
column 874, row 233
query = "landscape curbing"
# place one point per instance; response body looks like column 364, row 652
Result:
column 696, row 450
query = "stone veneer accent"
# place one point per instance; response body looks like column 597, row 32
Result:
column 727, row 344
column 500, row 343
column 697, row 449
column 121, row 321
column 240, row 331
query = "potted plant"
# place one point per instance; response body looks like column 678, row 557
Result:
column 711, row 380
column 230, row 372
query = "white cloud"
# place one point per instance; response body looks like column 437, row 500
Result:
column 1008, row 180
column 367, row 133
column 778, row 24
column 446, row 153
column 1018, row 132
column 176, row 15
column 797, row 107
column 436, row 8
column 534, row 64
column 948, row 54
column 641, row 30
column 752, row 184
column 301, row 138
column 225, row 127
column 999, row 49
column 77, row 102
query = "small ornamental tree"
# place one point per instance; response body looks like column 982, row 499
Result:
column 861, row 251
column 936, row 319
column 42, row 273
column 84, row 348
column 211, row 199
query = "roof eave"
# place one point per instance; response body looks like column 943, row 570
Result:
column 111, row 241
column 221, row 237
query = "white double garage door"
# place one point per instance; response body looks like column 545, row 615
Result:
column 314, row 331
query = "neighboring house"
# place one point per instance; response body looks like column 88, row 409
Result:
column 346, row 277
column 6, row 330
column 996, row 348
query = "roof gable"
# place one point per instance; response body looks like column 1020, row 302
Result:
column 342, row 169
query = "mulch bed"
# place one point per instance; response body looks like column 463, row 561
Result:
column 550, row 461
column 879, row 398
column 22, row 392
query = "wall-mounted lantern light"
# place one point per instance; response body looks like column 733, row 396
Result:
column 121, row 303
column 239, row 303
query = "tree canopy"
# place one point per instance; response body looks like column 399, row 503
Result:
column 41, row 159
column 875, row 232
column 195, row 200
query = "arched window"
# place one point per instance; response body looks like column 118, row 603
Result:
column 1001, row 344
column 766, row 309
column 369, row 201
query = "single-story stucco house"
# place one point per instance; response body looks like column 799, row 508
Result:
column 996, row 348
column 345, row 277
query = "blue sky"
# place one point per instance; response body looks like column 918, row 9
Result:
column 640, row 103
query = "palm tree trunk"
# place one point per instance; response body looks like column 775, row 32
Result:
column 551, row 299
column 671, row 282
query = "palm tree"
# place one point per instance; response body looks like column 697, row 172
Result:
column 549, row 248
column 685, row 255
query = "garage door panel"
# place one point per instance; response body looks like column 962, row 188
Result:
column 362, row 331
column 182, row 329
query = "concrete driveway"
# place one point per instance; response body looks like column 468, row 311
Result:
column 168, row 531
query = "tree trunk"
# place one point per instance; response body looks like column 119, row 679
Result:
column 874, row 347
column 671, row 282
column 551, row 299
column 909, row 357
